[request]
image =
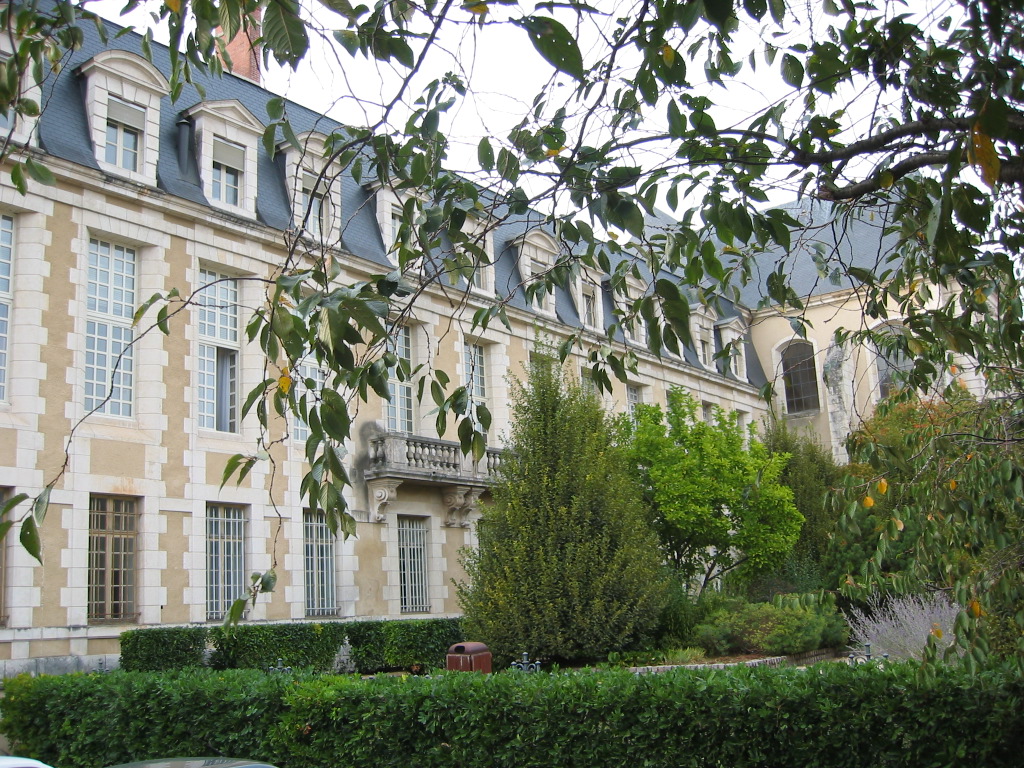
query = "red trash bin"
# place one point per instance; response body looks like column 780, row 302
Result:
column 469, row 657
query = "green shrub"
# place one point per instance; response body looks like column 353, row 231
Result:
column 834, row 717
column 567, row 566
column 163, row 648
column 86, row 721
column 258, row 646
column 377, row 646
column 762, row 628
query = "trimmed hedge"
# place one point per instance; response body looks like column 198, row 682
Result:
column 831, row 716
column 258, row 646
column 377, row 646
column 161, row 649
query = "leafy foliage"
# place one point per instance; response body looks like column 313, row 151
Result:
column 567, row 567
column 917, row 119
column 377, row 646
column 713, row 490
column 954, row 523
column 836, row 716
column 311, row 645
column 156, row 649
column 787, row 626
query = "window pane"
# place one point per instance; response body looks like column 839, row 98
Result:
column 225, row 558
column 800, row 378
column 111, row 587
column 412, row 564
column 321, row 598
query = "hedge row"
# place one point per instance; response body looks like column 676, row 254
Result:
column 374, row 645
column 831, row 716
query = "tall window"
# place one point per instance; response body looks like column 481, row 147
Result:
column 306, row 374
column 412, row 564
column 126, row 125
column 475, row 363
column 314, row 204
column 112, row 524
column 228, row 162
column 892, row 365
column 225, row 558
column 400, row 392
column 633, row 398
column 318, row 542
column 800, row 377
column 6, row 275
column 589, row 309
column 5, row 494
column 218, row 352
column 110, row 304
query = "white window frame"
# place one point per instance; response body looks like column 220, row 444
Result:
column 413, row 535
column 885, row 386
column 228, row 172
column 226, row 529
column 111, row 290
column 538, row 253
column 113, row 552
column 780, row 352
column 125, row 90
column 319, row 569
column 7, row 257
column 400, row 409
column 219, row 352
column 302, row 373
column 474, row 363
column 634, row 398
column 733, row 335
column 228, row 135
column 481, row 281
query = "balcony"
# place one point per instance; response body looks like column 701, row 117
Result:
column 428, row 461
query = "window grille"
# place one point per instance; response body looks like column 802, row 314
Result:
column 321, row 588
column 412, row 564
column 225, row 558
column 800, row 377
column 112, row 525
column 6, row 275
column 218, row 352
column 110, row 304
column 399, row 407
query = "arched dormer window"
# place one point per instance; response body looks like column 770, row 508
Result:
column 228, row 137
column 892, row 364
column 800, row 377
column 538, row 252
column 123, row 95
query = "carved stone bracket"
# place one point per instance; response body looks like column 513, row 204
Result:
column 460, row 500
column 381, row 492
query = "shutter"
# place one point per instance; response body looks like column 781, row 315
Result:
column 130, row 115
column 226, row 153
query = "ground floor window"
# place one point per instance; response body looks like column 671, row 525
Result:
column 112, row 526
column 412, row 564
column 318, row 545
column 225, row 558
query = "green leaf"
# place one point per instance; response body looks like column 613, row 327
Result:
column 553, row 41
column 39, row 172
column 792, row 70
column 756, row 8
column 30, row 538
column 718, row 12
column 284, row 31
column 485, row 154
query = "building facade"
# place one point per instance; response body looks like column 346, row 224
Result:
column 138, row 426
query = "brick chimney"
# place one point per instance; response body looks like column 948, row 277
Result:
column 244, row 49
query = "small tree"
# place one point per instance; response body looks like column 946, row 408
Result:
column 713, row 491
column 567, row 567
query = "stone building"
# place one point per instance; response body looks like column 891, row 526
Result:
column 152, row 195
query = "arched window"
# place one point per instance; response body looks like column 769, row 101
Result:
column 800, row 377
column 892, row 363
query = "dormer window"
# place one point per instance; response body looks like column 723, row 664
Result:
column 701, row 324
column 537, row 254
column 587, row 296
column 314, row 187
column 228, row 162
column 228, row 136
column 123, row 94
column 126, row 125
column 733, row 339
